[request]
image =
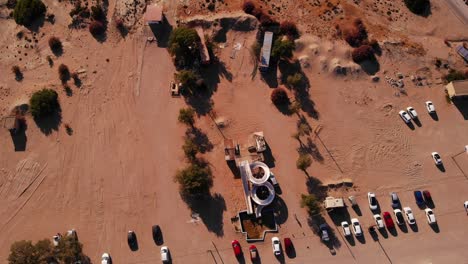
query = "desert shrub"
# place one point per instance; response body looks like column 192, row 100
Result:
column 50, row 61
column 188, row 78
column 64, row 73
column 357, row 35
column 119, row 24
column 312, row 204
column 190, row 149
column 22, row 252
column 97, row 13
column 26, row 11
column 283, row 48
column 303, row 162
column 194, row 180
column 55, row 44
column 248, row 7
column 181, row 39
column 16, row 70
column 279, row 96
column 289, row 29
column 186, row 116
column 44, row 103
column 79, row 10
column 454, row 75
column 363, row 53
column 96, row 28
column 294, row 80
column 417, row 6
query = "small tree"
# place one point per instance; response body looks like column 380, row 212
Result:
column 311, row 203
column 186, row 116
column 303, row 129
column 44, row 251
column 289, row 29
column 248, row 7
column 26, row 11
column 44, row 103
column 190, row 149
column 55, row 44
column 294, row 80
column 266, row 21
column 183, row 44
column 194, row 180
column 70, row 250
column 22, row 252
column 417, row 6
column 64, row 73
column 188, row 78
column 97, row 13
column 454, row 75
column 97, row 28
column 279, row 97
column 303, row 162
column 363, row 53
column 283, row 49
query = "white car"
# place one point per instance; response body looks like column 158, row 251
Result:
column 378, row 221
column 105, row 259
column 431, row 219
column 405, row 116
column 436, row 157
column 356, row 227
column 430, row 107
column 346, row 229
column 409, row 216
column 399, row 216
column 275, row 243
column 56, row 239
column 372, row 200
column 466, row 206
column 412, row 112
column 165, row 257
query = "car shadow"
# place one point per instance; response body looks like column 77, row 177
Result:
column 414, row 227
column 441, row 167
column 241, row 258
column 403, row 228
column 430, row 204
column 278, row 189
column 134, row 246
column 280, row 257
column 377, row 211
column 411, row 125
column 434, row 116
column 350, row 240
column 435, row 227
column 383, row 232
column 361, row 239
column 417, row 122
column 374, row 235
column 291, row 252
column 393, row 231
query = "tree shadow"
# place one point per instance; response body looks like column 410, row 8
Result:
column 371, row 67
column 210, row 209
column 284, row 108
column 315, row 187
column 314, row 222
column 68, row 91
column 58, row 50
column 77, row 80
column 162, row 32
column 462, row 105
column 424, row 9
column 311, row 148
column 339, row 215
column 280, row 210
column 50, row 123
column 18, row 136
column 36, row 24
column 212, row 74
column 200, row 139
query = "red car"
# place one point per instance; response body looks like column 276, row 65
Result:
column 237, row 248
column 427, row 196
column 288, row 245
column 253, row 253
column 388, row 220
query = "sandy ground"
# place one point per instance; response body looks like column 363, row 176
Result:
column 115, row 173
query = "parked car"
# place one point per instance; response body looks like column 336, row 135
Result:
column 356, row 227
column 419, row 198
column 436, row 157
column 288, row 245
column 466, row 206
column 427, row 197
column 157, row 234
column 399, row 217
column 165, row 256
column 273, row 179
column 405, row 116
column 346, row 229
column 409, row 216
column 388, row 220
column 105, row 259
column 378, row 221
column 372, row 200
column 56, row 239
column 324, row 232
column 253, row 253
column 237, row 248
column 275, row 243
column 412, row 112
column 430, row 107
column 395, row 200
column 431, row 219
column 131, row 239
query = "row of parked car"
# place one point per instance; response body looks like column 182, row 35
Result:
column 411, row 113
column 253, row 252
column 158, row 239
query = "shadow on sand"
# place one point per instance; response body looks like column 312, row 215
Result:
column 210, row 209
column 50, row 123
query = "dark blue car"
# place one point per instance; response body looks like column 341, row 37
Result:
column 419, row 198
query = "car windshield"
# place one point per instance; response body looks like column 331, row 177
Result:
column 275, row 242
column 436, row 156
column 378, row 218
column 345, row 225
column 429, row 213
column 399, row 216
column 373, row 201
column 356, row 224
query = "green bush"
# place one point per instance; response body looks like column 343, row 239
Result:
column 183, row 44
column 44, row 103
column 454, row 75
column 190, row 149
column 22, row 252
column 417, row 6
column 194, row 180
column 311, row 203
column 303, row 162
column 26, row 11
column 294, row 80
column 283, row 48
column 186, row 116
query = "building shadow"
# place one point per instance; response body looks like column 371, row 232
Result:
column 269, row 76
column 280, row 210
column 462, row 105
column 210, row 209
column 234, row 169
column 161, row 32
column 268, row 157
column 19, row 137
column 50, row 123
